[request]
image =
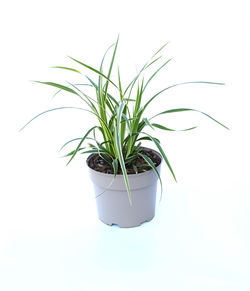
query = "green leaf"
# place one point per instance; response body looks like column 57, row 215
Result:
column 109, row 103
column 113, row 99
column 94, row 151
column 110, row 67
column 125, row 119
column 132, row 83
column 57, row 92
column 147, row 122
column 120, row 85
column 169, row 129
column 155, row 60
column 105, row 56
column 152, row 165
column 129, row 100
column 115, row 166
column 66, row 68
column 62, row 87
column 162, row 66
column 178, row 84
column 118, row 147
column 162, row 153
column 58, row 108
column 138, row 98
column 73, row 152
column 69, row 142
column 189, row 109
column 94, row 70
column 79, row 145
column 147, row 138
column 161, row 48
column 109, row 157
column 105, row 157
column 83, row 84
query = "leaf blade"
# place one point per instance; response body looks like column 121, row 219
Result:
column 189, row 109
column 80, row 143
column 151, row 164
column 170, row 129
column 56, row 85
column 93, row 69
column 66, row 68
column 162, row 153
column 119, row 151
column 52, row 109
column 179, row 84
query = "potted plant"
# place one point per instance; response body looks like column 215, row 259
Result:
column 124, row 173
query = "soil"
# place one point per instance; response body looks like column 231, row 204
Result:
column 98, row 164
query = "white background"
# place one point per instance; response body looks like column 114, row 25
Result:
column 51, row 238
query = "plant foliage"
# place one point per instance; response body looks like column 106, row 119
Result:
column 120, row 121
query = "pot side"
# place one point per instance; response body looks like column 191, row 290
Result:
column 112, row 201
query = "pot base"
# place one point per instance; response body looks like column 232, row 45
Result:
column 126, row 226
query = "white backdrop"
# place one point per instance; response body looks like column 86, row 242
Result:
column 51, row 238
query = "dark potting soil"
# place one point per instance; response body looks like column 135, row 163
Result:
column 99, row 164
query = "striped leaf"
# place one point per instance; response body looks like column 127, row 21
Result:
column 62, row 87
column 179, row 84
column 169, row 129
column 94, row 70
column 53, row 109
column 152, row 165
column 69, row 142
column 188, row 109
column 80, row 143
column 162, row 153
column 118, row 147
column 66, row 68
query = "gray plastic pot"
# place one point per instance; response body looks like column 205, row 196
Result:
column 113, row 205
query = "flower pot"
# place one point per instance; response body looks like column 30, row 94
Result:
column 112, row 198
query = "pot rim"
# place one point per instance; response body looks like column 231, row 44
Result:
column 121, row 175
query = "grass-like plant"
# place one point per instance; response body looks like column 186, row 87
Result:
column 120, row 121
